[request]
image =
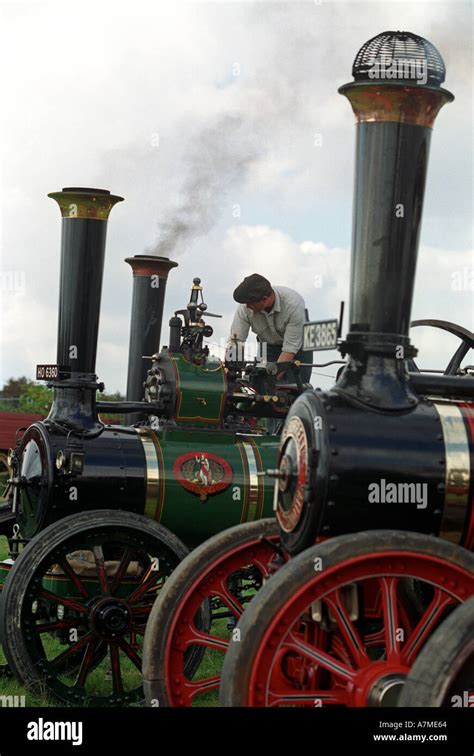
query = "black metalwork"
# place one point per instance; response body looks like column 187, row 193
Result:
column 84, row 228
column 150, row 275
column 399, row 47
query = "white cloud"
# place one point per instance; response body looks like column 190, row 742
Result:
column 88, row 92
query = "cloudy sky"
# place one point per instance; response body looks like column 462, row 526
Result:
column 223, row 120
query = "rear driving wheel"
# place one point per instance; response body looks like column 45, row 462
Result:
column 335, row 627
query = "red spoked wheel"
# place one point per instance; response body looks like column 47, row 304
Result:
column 224, row 572
column 338, row 625
column 443, row 674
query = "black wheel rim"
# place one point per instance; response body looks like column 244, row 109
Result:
column 100, row 621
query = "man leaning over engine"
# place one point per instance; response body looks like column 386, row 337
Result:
column 276, row 314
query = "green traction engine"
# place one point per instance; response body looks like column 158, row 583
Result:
column 101, row 512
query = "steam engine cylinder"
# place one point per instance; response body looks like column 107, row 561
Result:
column 339, row 475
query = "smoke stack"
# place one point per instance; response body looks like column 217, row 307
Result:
column 396, row 96
column 84, row 226
column 150, row 275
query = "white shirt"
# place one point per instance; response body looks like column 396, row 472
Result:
column 283, row 325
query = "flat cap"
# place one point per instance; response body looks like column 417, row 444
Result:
column 252, row 289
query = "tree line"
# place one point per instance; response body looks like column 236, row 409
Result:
column 24, row 395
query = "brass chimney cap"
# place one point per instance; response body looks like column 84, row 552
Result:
column 85, row 203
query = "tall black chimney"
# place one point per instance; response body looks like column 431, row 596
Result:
column 84, row 226
column 396, row 97
column 150, row 275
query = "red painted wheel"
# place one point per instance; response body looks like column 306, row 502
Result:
column 443, row 674
column 335, row 626
column 224, row 573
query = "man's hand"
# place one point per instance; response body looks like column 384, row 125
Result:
column 285, row 357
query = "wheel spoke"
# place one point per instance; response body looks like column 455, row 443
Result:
column 229, row 599
column 339, row 649
column 426, row 625
column 141, row 612
column 185, row 690
column 388, row 587
column 129, row 651
column 147, row 582
column 200, row 638
column 64, row 624
column 100, row 566
column 121, row 570
column 313, row 698
column 319, row 657
column 86, row 664
column 74, row 577
column 376, row 638
column 115, row 666
column 58, row 660
column 354, row 644
column 70, row 603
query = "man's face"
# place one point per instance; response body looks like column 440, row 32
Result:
column 260, row 305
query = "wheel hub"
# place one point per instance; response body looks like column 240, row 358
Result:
column 111, row 618
column 386, row 691
column 379, row 685
column 286, row 470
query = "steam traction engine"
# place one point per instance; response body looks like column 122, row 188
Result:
column 98, row 506
column 375, row 472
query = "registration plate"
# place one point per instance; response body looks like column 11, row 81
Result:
column 320, row 334
column 47, row 372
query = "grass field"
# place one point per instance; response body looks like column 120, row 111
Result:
column 99, row 681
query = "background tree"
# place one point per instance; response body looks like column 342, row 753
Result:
column 24, row 395
column 10, row 393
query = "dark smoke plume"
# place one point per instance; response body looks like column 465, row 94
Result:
column 220, row 156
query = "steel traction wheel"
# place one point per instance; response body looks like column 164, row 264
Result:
column 333, row 626
column 224, row 571
column 75, row 604
column 443, row 674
